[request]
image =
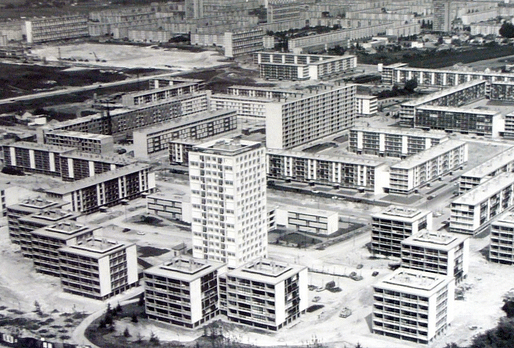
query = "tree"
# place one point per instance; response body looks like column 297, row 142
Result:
column 118, row 308
column 126, row 333
column 134, row 318
column 507, row 30
column 141, row 301
column 154, row 339
column 411, row 85
column 508, row 308
column 38, row 308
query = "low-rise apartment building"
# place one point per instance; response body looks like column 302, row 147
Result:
column 77, row 165
column 472, row 212
column 264, row 92
column 154, row 140
column 298, row 121
column 84, row 142
column 183, row 292
column 290, row 66
column 173, row 207
column 42, row 218
column 413, row 305
column 98, row 268
column 243, row 41
column 26, row 207
column 347, row 171
column 501, row 249
column 160, row 93
column 437, row 252
column 390, row 142
column 244, row 106
column 35, row 158
column 501, row 163
column 55, row 28
column 366, row 105
column 418, row 170
column 508, row 132
column 266, row 294
column 395, row 224
column 46, row 241
column 106, row 189
column 303, row 219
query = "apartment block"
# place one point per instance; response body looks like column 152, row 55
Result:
column 289, row 66
column 106, row 189
column 98, row 268
column 179, row 151
column 472, row 212
column 83, row 142
column 34, row 158
column 413, row 306
column 42, row 218
column 285, row 10
column 266, row 294
column 418, row 170
column 46, row 241
column 299, row 121
column 228, row 197
column 79, row 165
column 454, row 119
column 55, row 28
column 501, row 249
column 456, row 96
column 437, row 252
column 303, row 219
column 401, row 73
column 159, row 94
column 342, row 171
column 501, row 163
column 25, row 208
column 244, row 41
column 245, row 106
column 508, row 132
column 395, row 224
column 173, row 207
column 153, row 140
column 442, row 16
column 183, row 292
column 390, row 142
column 264, row 92
column 366, row 105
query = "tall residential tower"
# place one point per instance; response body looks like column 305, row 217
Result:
column 228, row 198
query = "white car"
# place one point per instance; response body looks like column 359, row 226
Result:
column 141, row 233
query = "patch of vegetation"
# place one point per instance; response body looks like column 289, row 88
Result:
column 149, row 251
column 314, row 308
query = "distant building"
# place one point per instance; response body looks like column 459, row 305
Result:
column 154, row 140
column 418, row 170
column 366, row 105
column 501, row 249
column 395, row 224
column 183, row 292
column 45, row 29
column 78, row 165
column 106, row 189
column 411, row 298
column 167, row 91
column 472, row 212
column 279, row 294
column 289, row 66
column 243, row 41
column 501, row 163
column 98, row 268
column 84, row 142
column 437, row 252
column 442, row 16
column 303, row 219
column 391, row 142
column 294, row 122
column 173, row 207
column 46, row 241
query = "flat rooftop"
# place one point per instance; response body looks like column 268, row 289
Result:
column 404, row 66
column 357, row 160
column 484, row 112
column 184, row 121
column 429, row 154
column 179, row 85
column 243, row 98
column 97, row 179
column 35, row 204
column 120, row 160
column 402, row 213
column 168, row 196
column 485, row 190
column 434, row 96
column 308, row 211
column 49, row 216
column 266, row 271
column 410, row 132
column 434, row 240
column 413, row 281
column 226, row 146
column 96, row 248
column 63, row 230
column 505, row 219
column 491, row 165
column 80, row 135
column 184, row 268
column 42, row 147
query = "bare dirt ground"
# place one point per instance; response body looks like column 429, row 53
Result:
column 128, row 56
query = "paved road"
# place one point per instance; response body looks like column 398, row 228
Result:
column 68, row 90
